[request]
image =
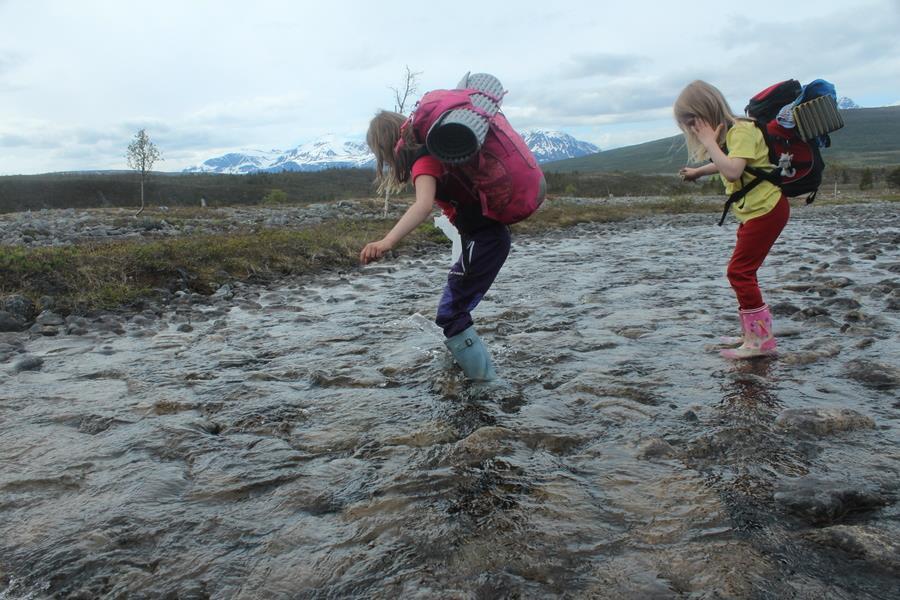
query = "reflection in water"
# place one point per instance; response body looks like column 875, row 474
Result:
column 315, row 440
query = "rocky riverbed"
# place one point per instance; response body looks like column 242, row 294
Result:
column 69, row 226
column 311, row 438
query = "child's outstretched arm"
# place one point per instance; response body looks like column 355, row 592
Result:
column 415, row 215
column 730, row 168
column 695, row 173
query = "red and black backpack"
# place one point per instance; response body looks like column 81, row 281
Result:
column 797, row 164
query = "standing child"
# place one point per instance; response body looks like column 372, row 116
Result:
column 732, row 143
column 401, row 157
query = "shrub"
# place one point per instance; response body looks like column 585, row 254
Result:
column 865, row 180
column 275, row 196
column 893, row 178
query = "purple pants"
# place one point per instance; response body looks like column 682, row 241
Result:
column 483, row 253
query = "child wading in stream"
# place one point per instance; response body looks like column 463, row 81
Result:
column 732, row 144
column 479, row 196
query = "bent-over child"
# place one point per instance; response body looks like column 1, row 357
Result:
column 402, row 157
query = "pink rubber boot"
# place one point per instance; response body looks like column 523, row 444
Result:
column 758, row 337
column 734, row 340
column 731, row 340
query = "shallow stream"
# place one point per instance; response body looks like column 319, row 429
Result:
column 313, row 439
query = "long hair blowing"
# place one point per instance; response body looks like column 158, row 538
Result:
column 700, row 100
column 392, row 169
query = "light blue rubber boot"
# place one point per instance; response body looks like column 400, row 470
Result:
column 472, row 355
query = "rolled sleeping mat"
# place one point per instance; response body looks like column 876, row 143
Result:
column 483, row 82
column 817, row 117
column 459, row 134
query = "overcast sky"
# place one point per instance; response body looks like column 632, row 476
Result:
column 79, row 78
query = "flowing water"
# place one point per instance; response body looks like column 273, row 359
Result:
column 313, row 439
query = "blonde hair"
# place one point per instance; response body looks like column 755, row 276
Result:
column 392, row 169
column 700, row 100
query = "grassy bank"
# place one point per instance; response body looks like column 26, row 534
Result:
column 88, row 276
column 107, row 275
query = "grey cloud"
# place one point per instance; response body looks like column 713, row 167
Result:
column 10, row 60
column 363, row 59
column 8, row 63
column 40, row 138
column 840, row 39
column 12, row 140
column 255, row 111
column 613, row 99
column 151, row 125
column 601, row 64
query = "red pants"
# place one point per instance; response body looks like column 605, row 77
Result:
column 754, row 240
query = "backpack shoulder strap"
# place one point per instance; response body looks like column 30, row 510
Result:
column 759, row 175
column 738, row 196
column 769, row 146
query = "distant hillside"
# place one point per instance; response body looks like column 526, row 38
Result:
column 870, row 137
column 100, row 189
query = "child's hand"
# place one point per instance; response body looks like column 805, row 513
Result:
column 690, row 174
column 374, row 251
column 705, row 133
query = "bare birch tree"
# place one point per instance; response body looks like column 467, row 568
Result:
column 402, row 95
column 141, row 155
column 405, row 92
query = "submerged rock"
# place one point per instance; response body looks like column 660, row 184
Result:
column 47, row 323
column 873, row 374
column 10, row 322
column 19, row 306
column 860, row 542
column 49, row 318
column 484, row 442
column 823, row 502
column 823, row 421
column 784, row 309
column 656, row 448
column 29, row 363
column 811, row 354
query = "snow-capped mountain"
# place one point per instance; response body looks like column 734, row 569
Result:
column 328, row 152
column 556, row 145
column 324, row 153
column 237, row 163
column 846, row 103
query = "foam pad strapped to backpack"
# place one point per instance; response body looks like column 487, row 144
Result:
column 459, row 134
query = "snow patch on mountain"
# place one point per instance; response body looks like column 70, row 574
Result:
column 237, row 163
column 555, row 145
column 846, row 103
column 325, row 153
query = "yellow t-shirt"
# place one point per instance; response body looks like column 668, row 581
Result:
column 745, row 140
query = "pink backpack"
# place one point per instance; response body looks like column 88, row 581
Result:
column 503, row 174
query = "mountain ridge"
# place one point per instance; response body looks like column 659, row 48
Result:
column 331, row 152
